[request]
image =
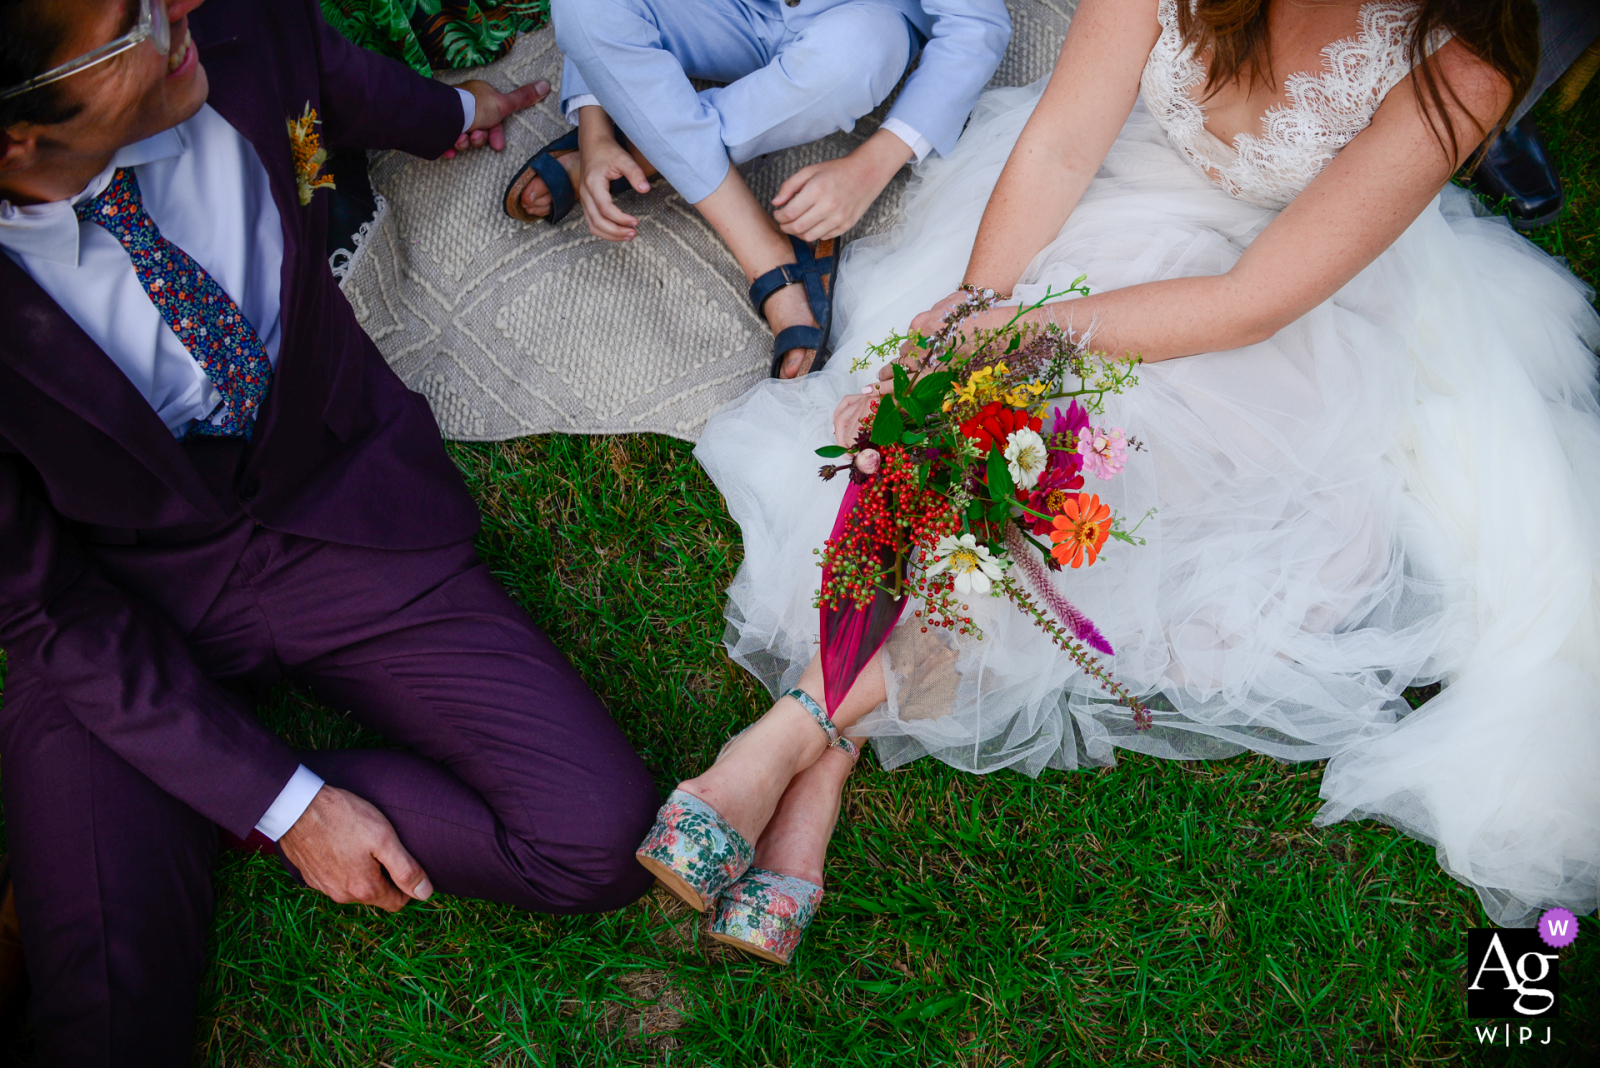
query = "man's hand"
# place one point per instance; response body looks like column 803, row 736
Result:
column 343, row 847
column 603, row 160
column 825, row 199
column 494, row 108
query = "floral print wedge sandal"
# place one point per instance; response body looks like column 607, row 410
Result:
column 765, row 913
column 692, row 850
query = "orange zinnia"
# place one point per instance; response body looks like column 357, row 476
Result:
column 1080, row 530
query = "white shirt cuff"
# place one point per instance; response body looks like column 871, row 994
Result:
column 469, row 109
column 292, row 800
column 918, row 144
column 580, row 102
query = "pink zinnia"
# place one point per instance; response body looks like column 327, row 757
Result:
column 1103, row 452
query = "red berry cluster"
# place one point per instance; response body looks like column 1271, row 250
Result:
column 892, row 517
column 940, row 607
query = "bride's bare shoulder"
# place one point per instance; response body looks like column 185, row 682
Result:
column 1481, row 90
column 1117, row 17
column 1468, row 95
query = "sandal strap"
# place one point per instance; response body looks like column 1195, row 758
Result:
column 563, row 197
column 849, row 747
column 547, row 167
column 816, row 293
column 817, row 713
column 795, row 337
column 784, row 274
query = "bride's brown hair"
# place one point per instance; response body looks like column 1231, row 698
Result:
column 1502, row 33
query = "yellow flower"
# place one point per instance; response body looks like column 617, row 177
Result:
column 980, row 388
column 305, row 146
column 1027, row 395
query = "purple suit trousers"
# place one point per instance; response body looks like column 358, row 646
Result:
column 515, row 784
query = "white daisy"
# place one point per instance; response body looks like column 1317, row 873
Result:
column 975, row 568
column 1026, row 456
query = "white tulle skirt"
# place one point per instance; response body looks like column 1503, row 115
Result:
column 1402, row 487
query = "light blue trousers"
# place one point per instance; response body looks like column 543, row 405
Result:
column 785, row 86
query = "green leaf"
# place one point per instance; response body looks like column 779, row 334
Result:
column 911, row 438
column 974, row 514
column 1000, row 484
column 902, row 381
column 930, row 387
column 888, row 426
column 1016, row 343
column 913, row 407
column 879, row 986
column 830, row 451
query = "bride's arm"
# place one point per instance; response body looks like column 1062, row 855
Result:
column 1090, row 94
column 1355, row 209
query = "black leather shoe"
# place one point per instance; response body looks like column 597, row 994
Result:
column 1517, row 176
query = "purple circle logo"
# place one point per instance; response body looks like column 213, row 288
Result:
column 1558, row 928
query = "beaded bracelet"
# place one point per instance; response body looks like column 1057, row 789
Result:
column 976, row 291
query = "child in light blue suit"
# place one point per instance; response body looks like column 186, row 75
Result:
column 794, row 71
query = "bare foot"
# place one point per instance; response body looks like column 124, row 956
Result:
column 747, row 781
column 533, row 196
column 785, row 308
column 795, row 841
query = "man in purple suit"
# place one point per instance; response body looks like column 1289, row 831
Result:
column 210, row 480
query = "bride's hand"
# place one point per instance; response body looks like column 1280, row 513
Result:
column 857, row 406
column 931, row 321
column 854, row 408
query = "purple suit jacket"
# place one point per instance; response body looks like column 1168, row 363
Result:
column 98, row 501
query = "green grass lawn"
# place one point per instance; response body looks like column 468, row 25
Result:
column 1152, row 913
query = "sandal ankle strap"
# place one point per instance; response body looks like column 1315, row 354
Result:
column 785, row 274
column 849, row 747
column 817, row 713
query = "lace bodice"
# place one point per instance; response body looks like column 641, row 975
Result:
column 1323, row 113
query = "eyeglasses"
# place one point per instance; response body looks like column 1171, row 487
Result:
column 152, row 26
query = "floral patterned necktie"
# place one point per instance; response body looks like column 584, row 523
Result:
column 204, row 317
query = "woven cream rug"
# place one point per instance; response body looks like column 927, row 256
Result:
column 511, row 330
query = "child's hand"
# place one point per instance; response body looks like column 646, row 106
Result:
column 825, row 199
column 494, row 108
column 604, row 161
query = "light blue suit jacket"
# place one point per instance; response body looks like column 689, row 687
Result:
column 965, row 42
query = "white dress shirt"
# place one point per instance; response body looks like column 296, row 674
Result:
column 207, row 192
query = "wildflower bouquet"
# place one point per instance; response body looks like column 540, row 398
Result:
column 968, row 480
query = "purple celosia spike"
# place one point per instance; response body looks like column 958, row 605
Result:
column 1082, row 626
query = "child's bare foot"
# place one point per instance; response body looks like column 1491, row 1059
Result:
column 785, row 308
column 532, row 195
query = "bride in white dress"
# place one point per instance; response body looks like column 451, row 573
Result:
column 1372, row 445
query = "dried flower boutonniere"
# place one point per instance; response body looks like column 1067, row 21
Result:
column 309, row 155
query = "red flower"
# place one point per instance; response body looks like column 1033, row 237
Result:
column 990, row 428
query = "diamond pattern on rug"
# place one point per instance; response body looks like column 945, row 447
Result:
column 510, row 330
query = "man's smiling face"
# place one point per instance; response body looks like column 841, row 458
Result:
column 131, row 96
